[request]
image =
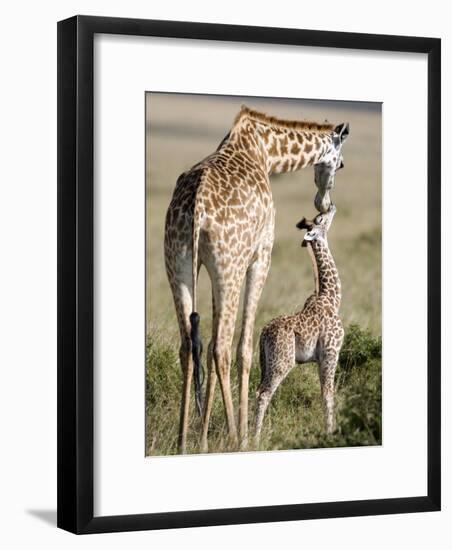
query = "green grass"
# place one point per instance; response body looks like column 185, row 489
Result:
column 294, row 419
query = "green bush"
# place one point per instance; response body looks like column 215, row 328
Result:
column 360, row 411
column 358, row 348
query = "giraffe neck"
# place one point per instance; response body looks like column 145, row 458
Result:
column 282, row 146
column 288, row 150
column 328, row 281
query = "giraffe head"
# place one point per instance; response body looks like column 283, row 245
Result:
column 318, row 227
column 330, row 162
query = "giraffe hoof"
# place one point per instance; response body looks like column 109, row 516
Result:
column 233, row 443
column 244, row 444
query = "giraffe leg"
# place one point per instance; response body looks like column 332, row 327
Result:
column 327, row 369
column 210, row 392
column 277, row 358
column 222, row 358
column 187, row 373
column 262, row 403
column 182, row 295
column 255, row 280
column 277, row 368
column 210, row 386
column 226, row 303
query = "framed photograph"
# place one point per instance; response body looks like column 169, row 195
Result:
column 248, row 274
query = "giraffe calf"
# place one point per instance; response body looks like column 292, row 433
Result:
column 314, row 334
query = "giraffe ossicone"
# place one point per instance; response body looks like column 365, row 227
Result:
column 222, row 217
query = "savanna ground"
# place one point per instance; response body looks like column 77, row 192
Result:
column 180, row 131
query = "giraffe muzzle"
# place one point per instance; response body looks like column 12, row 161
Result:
column 322, row 201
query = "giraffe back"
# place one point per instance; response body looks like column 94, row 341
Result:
column 228, row 198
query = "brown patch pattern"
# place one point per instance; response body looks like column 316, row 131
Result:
column 314, row 334
column 222, row 216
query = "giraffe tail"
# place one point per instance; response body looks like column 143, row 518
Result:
column 196, row 349
column 196, row 343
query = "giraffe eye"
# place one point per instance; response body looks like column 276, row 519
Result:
column 319, row 219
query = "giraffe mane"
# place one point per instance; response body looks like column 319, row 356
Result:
column 246, row 112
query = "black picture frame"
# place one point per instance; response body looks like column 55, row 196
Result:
column 76, row 263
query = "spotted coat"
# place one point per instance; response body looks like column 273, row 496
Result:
column 222, row 216
column 314, row 334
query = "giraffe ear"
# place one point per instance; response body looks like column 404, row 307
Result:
column 305, row 224
column 342, row 130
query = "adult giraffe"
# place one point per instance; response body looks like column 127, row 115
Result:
column 222, row 216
